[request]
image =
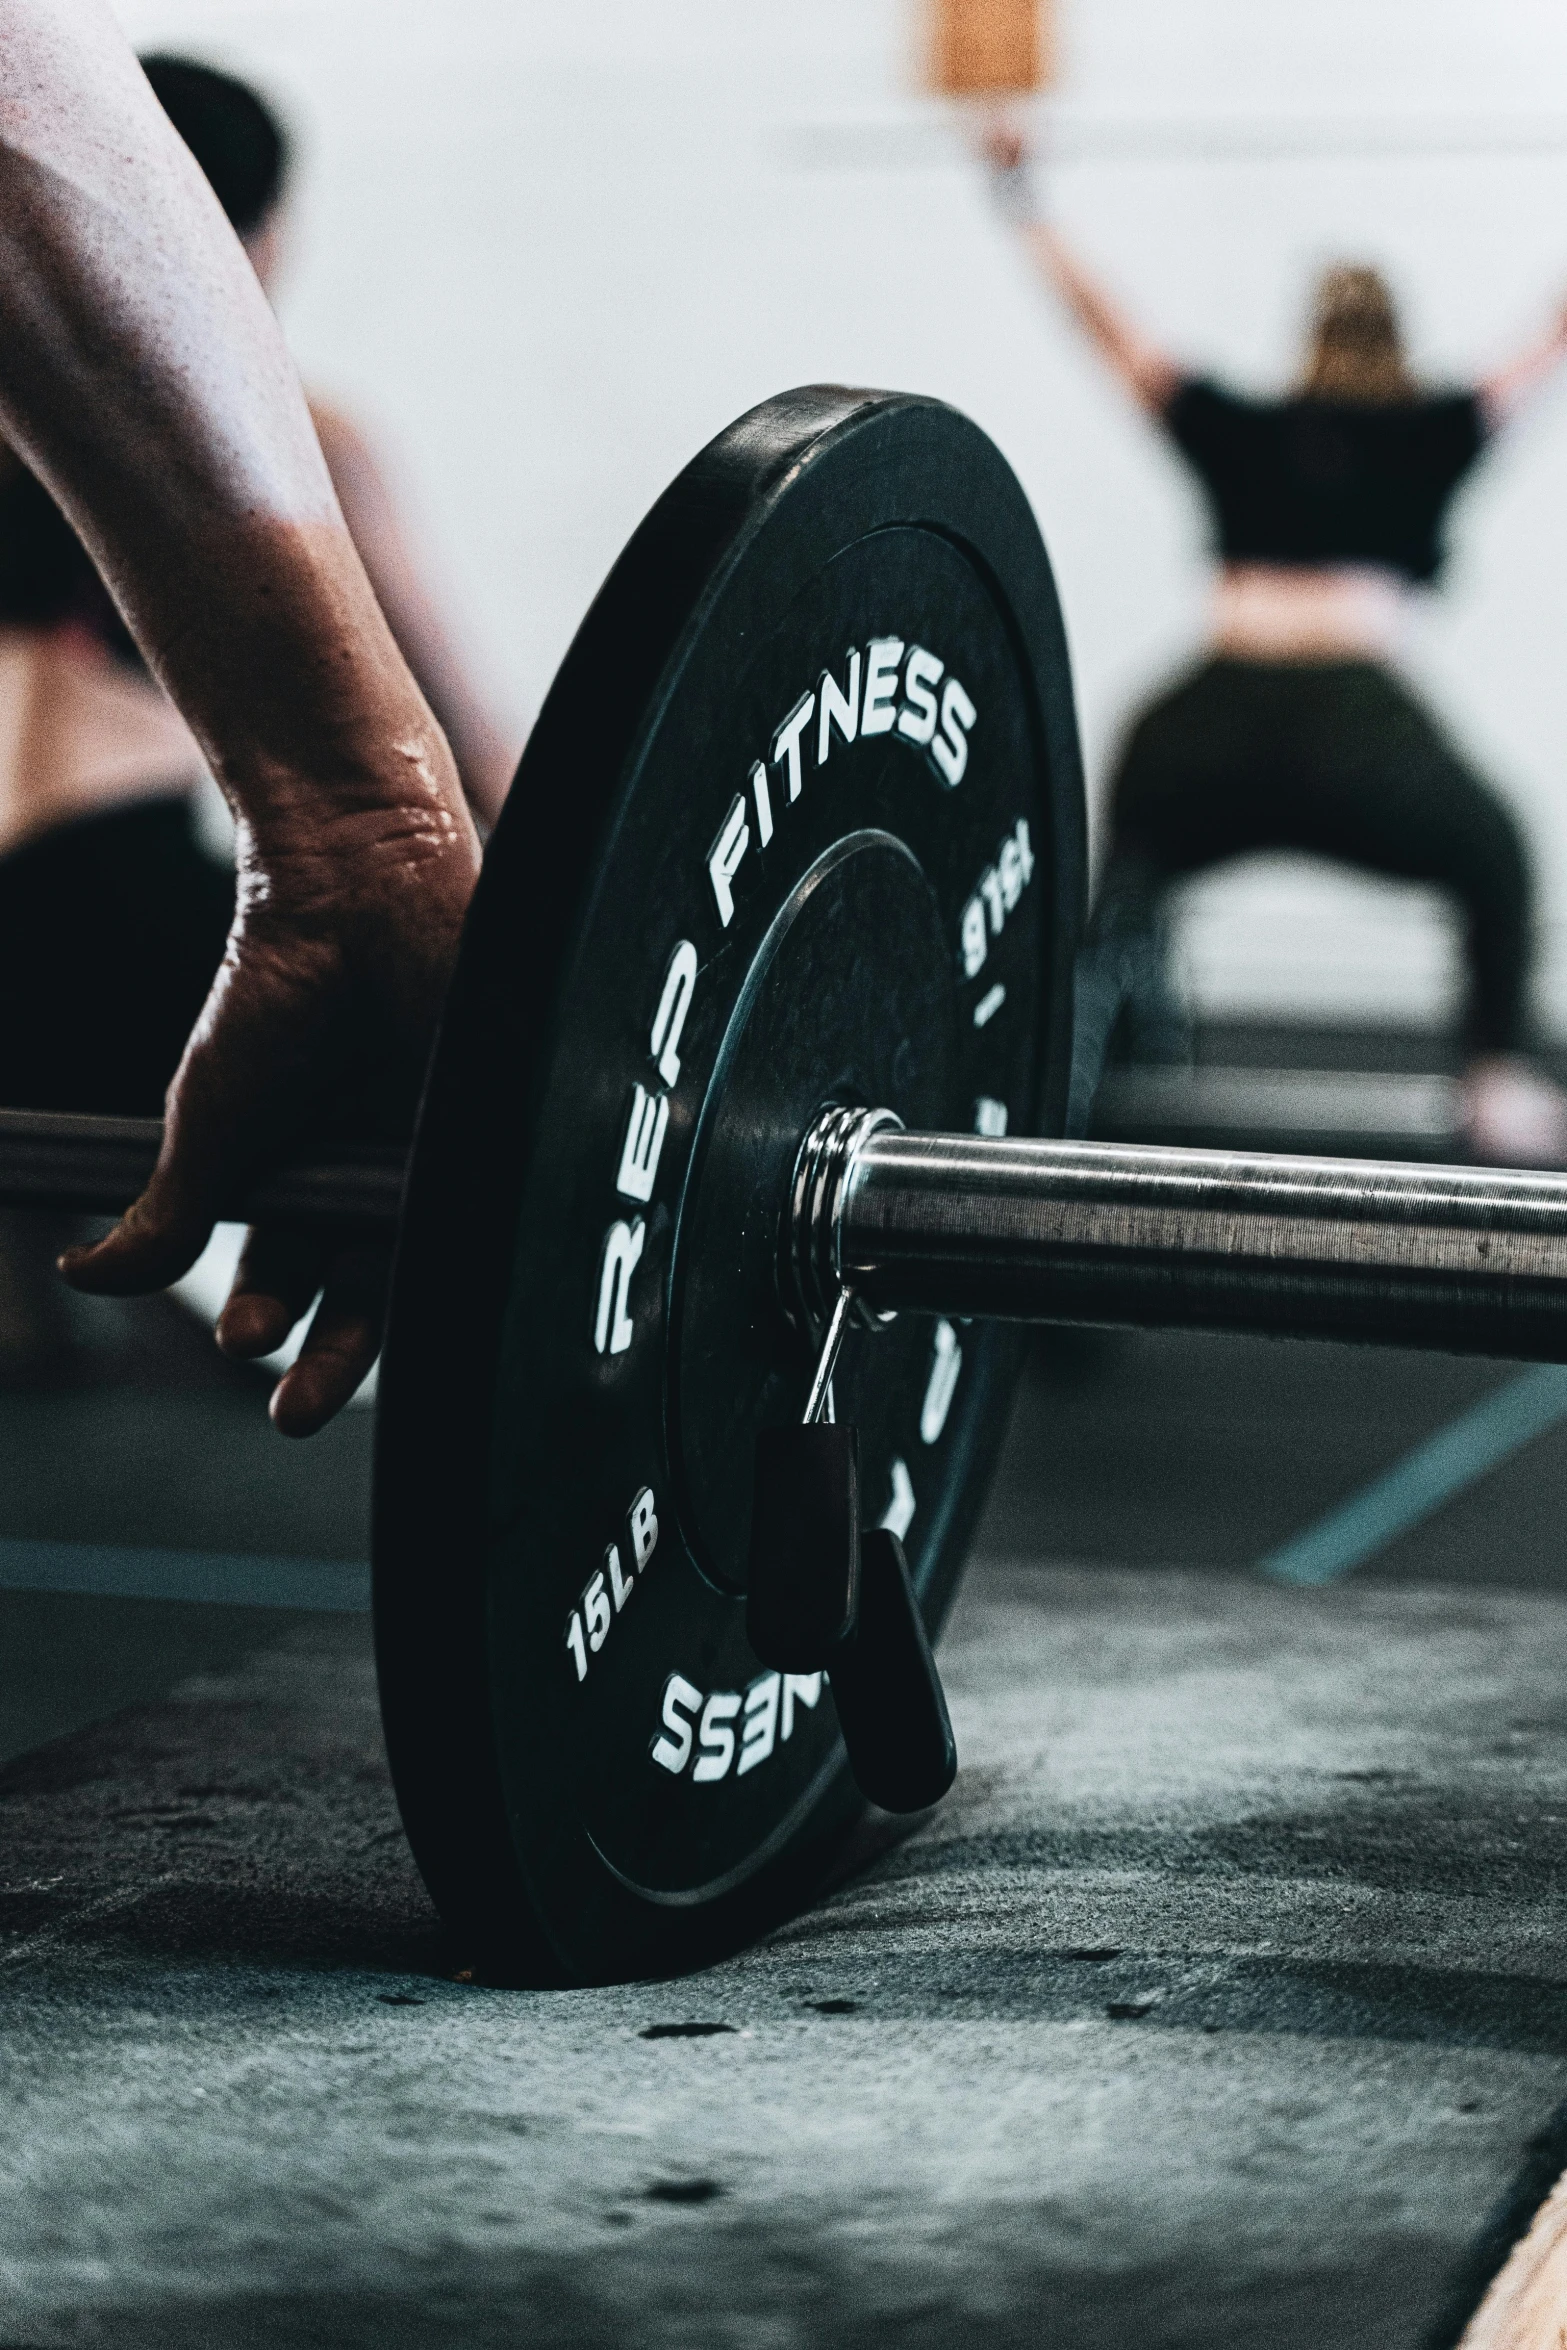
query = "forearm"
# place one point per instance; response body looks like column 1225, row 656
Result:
column 145, row 380
column 1089, row 304
column 1149, row 375
column 1504, row 391
column 1146, row 371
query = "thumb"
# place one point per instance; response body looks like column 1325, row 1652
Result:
column 158, row 1238
column 206, row 1152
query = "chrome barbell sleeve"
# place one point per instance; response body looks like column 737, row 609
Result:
column 1467, row 1260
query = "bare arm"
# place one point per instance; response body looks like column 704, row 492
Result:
column 486, row 758
column 144, row 379
column 1150, row 375
column 1504, row 391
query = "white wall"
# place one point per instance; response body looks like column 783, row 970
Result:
column 549, row 249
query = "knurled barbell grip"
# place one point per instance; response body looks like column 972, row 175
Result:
column 98, row 1165
column 1468, row 1260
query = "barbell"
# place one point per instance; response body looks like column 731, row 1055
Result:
column 739, row 1162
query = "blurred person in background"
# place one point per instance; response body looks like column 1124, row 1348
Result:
column 1294, row 730
column 113, row 914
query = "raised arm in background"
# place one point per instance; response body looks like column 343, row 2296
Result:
column 1150, row 375
column 1504, row 391
column 143, row 377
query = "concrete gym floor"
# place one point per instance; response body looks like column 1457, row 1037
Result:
column 1222, row 2003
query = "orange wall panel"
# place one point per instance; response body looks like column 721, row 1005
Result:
column 989, row 46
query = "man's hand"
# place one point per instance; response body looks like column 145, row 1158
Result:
column 321, row 1017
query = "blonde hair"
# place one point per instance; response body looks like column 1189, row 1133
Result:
column 1355, row 348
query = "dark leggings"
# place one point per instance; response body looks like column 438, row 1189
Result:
column 111, row 929
column 1337, row 759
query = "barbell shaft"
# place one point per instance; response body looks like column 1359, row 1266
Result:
column 1467, row 1260
column 98, row 1165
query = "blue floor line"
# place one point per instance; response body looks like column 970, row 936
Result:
column 212, row 1578
column 1455, row 1457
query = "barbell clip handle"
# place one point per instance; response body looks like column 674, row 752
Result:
column 803, row 1583
column 803, row 1573
column 892, row 1708
column 819, row 1402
